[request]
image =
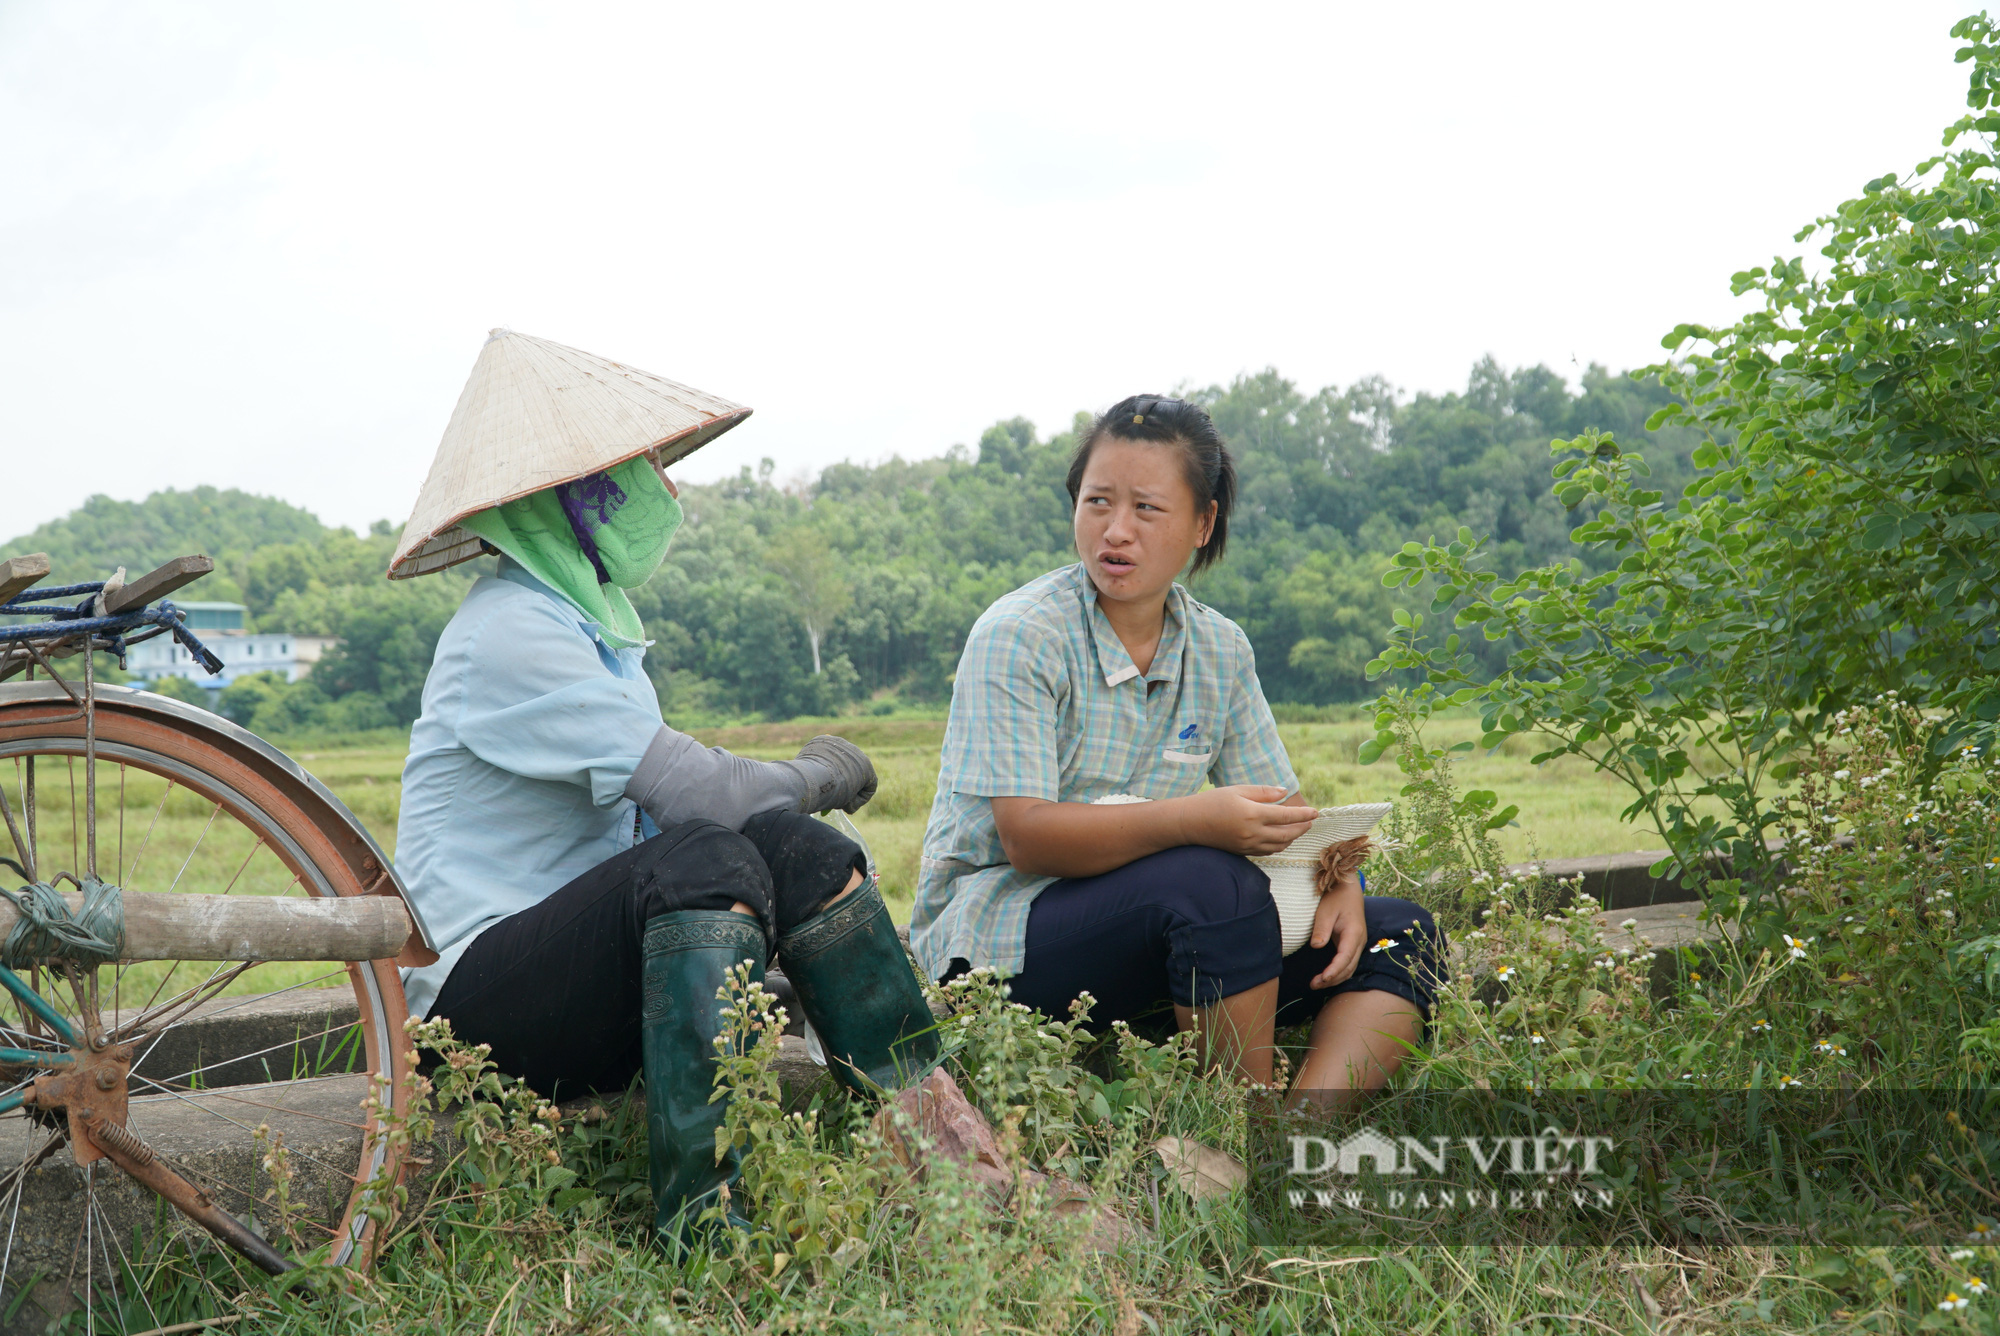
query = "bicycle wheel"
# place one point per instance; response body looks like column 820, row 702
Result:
column 186, row 801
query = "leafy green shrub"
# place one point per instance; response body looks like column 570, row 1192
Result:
column 1838, row 545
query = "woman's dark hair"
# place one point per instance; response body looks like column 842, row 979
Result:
column 1205, row 460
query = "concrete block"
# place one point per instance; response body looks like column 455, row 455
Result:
column 247, row 1040
column 1618, row 881
column 210, row 1138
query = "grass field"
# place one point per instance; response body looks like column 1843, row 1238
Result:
column 1566, row 807
column 163, row 840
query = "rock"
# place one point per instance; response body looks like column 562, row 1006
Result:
column 940, row 1122
column 937, row 1122
column 1201, row 1171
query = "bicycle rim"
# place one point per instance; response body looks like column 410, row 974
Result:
column 186, row 802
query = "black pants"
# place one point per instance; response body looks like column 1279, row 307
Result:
column 1193, row 925
column 556, row 989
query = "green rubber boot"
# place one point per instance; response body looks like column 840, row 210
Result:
column 688, row 956
column 860, row 994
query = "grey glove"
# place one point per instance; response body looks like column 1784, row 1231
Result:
column 836, row 773
column 680, row 780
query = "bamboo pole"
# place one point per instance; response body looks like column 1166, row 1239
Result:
column 253, row 927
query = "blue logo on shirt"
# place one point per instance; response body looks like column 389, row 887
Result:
column 1190, row 731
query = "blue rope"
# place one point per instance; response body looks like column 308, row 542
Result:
column 46, row 930
column 66, row 622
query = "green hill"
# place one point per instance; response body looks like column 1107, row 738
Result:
column 102, row 534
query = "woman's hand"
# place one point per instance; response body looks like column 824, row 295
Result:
column 1339, row 918
column 1054, row 839
column 1245, row 819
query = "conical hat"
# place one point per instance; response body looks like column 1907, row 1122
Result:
column 534, row 414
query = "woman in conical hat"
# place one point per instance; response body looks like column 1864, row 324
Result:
column 589, row 875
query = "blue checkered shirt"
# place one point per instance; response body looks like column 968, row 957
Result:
column 1047, row 704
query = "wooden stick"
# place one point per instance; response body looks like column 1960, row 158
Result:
column 253, row 927
column 17, row 573
column 157, row 584
column 203, row 1323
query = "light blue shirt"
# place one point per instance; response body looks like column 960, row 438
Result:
column 1047, row 704
column 515, row 784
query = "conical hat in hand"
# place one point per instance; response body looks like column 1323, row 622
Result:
column 535, row 414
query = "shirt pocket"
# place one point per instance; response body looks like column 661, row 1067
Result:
column 1178, row 771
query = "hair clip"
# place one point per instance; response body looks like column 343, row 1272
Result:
column 1138, row 418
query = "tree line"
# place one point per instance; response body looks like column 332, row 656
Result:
column 857, row 589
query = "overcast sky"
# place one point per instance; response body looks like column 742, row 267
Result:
column 259, row 246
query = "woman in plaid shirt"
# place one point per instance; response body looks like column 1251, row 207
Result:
column 1106, row 678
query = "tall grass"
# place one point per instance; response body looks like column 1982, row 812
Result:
column 552, row 1235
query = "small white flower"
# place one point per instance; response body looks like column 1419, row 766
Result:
column 1787, row 1082
column 1536, row 1039
column 1829, row 1048
column 1760, row 1026
column 1840, row 774
column 1960, row 1254
column 1950, row 1302
column 1982, row 1233
column 1633, row 923
column 1976, row 1285
column 1386, row 944
column 1606, row 962
column 1504, row 973
column 1798, row 948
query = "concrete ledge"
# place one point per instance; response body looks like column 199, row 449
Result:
column 1668, row 928
column 210, row 1139
column 247, row 1040
column 1618, row 881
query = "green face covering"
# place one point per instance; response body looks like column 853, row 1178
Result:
column 590, row 540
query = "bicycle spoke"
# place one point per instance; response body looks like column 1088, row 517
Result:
column 200, row 1176
column 131, row 1271
column 89, row 1267
column 227, row 1093
column 212, row 814
column 221, row 978
column 246, row 863
column 316, row 981
column 75, row 854
column 340, row 1028
column 28, row 806
column 189, row 1098
column 132, row 876
column 13, row 1222
column 177, row 847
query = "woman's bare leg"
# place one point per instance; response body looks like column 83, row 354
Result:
column 1236, row 1033
column 852, row 882
column 1358, row 1042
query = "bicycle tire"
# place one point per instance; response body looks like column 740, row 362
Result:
column 311, row 835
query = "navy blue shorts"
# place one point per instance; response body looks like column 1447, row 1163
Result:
column 1193, row 925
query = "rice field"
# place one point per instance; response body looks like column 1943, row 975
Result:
column 1567, row 808
column 154, row 836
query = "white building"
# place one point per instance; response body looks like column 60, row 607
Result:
column 220, row 627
